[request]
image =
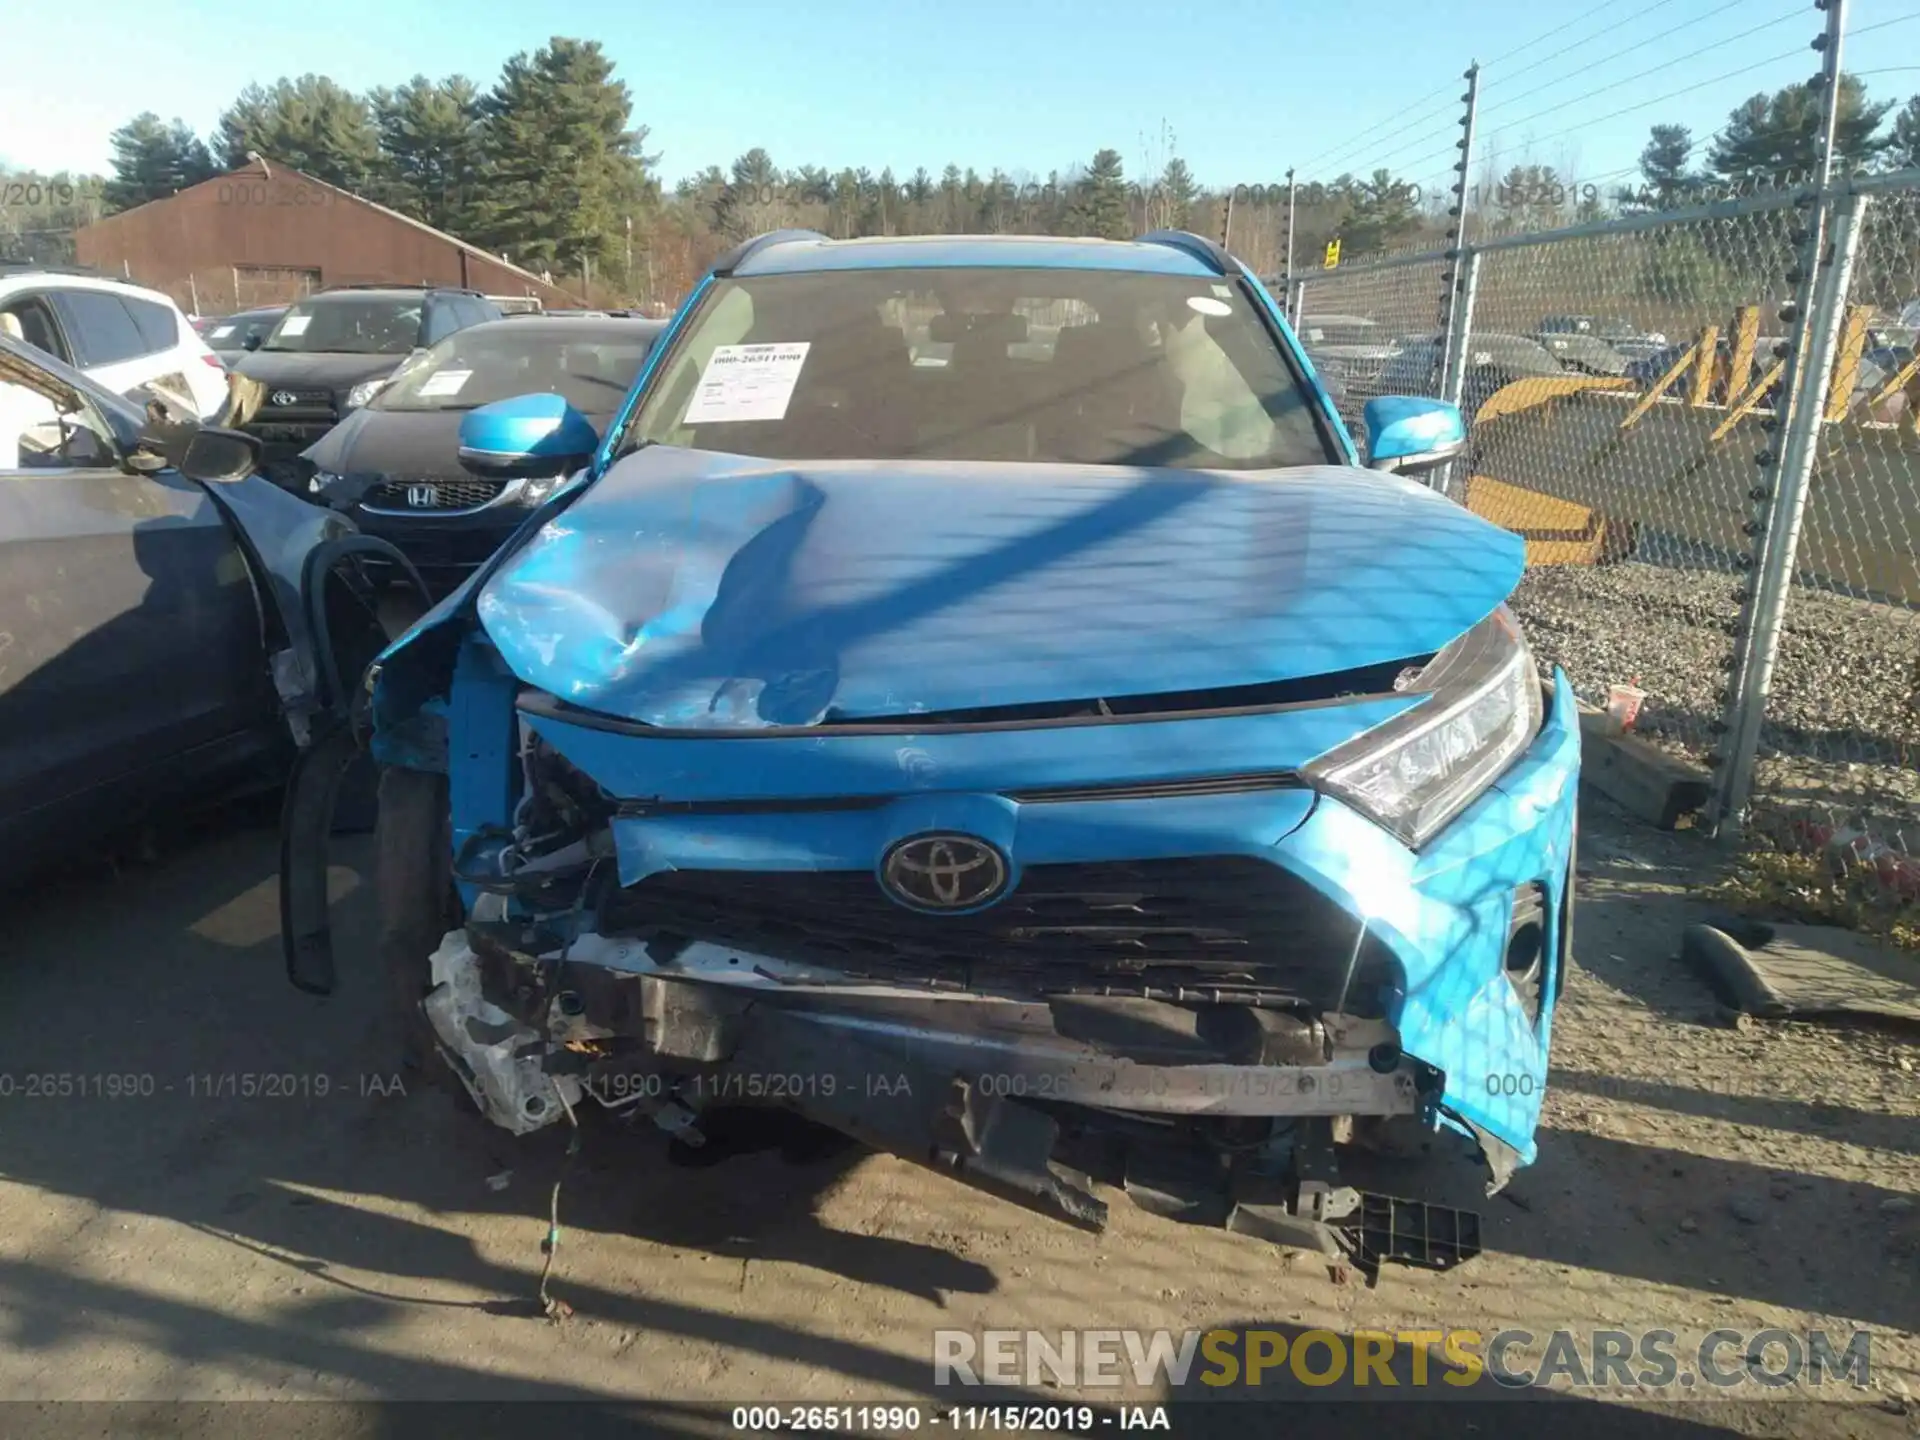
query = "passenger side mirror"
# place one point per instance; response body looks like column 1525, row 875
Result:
column 1407, row 434
column 530, row 437
column 252, row 342
column 223, row 456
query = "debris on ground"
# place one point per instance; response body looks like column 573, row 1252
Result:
column 1775, row 971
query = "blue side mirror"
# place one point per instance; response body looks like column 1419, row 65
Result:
column 1407, row 434
column 529, row 437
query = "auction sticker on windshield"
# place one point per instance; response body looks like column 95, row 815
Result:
column 295, row 324
column 747, row 382
column 445, row 382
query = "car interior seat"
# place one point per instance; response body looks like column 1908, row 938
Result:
column 1112, row 399
column 987, row 405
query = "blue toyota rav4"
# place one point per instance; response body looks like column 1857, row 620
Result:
column 976, row 696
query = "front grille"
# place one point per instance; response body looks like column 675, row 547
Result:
column 290, row 432
column 1221, row 927
column 446, row 494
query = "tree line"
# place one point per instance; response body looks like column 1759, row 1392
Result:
column 548, row 167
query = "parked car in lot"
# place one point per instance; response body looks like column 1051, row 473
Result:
column 330, row 352
column 1623, row 337
column 1493, row 362
column 1037, row 767
column 1349, row 351
column 233, row 337
column 394, row 465
column 154, row 604
column 132, row 341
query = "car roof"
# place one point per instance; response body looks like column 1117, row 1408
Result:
column 610, row 327
column 372, row 292
column 70, row 279
column 803, row 254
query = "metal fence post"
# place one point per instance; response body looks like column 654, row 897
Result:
column 1459, row 339
column 1296, row 303
column 1806, row 410
column 1452, row 281
column 1814, row 315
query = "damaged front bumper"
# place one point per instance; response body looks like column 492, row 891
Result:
column 1215, row 1115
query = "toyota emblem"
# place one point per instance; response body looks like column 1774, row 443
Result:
column 943, row 872
column 285, row 397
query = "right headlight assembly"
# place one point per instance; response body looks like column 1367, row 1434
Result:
column 1416, row 772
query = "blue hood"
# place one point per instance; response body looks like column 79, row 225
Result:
column 687, row 589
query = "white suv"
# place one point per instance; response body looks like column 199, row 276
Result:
column 135, row 342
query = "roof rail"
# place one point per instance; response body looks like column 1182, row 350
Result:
column 1198, row 246
column 736, row 257
column 400, row 285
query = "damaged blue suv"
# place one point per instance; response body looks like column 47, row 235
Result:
column 976, row 696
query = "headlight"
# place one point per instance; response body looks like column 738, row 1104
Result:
column 320, row 481
column 533, row 492
column 363, row 392
column 1417, row 771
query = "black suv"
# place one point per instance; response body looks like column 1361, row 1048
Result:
column 330, row 352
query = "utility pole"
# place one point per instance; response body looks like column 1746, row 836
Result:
column 1286, row 275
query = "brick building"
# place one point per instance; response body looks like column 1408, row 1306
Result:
column 264, row 234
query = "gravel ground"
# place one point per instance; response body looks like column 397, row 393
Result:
column 1843, row 729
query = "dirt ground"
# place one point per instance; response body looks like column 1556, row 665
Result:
column 182, row 1245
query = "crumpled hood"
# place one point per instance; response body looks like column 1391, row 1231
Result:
column 687, row 589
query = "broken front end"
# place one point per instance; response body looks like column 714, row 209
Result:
column 1169, row 951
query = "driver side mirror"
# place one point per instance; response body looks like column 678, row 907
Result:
column 221, row 456
column 252, row 342
column 1407, row 434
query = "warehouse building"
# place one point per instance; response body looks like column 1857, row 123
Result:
column 264, row 234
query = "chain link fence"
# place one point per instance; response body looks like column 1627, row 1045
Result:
column 1371, row 329
column 1621, row 381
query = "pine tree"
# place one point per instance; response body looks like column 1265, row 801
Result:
column 432, row 165
column 1903, row 146
column 1774, row 139
column 564, row 169
column 1173, row 196
column 1100, row 201
column 1381, row 213
column 152, row 160
column 1663, row 164
column 311, row 124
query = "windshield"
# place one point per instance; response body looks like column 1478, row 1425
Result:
column 349, row 327
column 233, row 331
column 591, row 368
column 1055, row 365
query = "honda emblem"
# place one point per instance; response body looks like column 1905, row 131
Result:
column 423, row 497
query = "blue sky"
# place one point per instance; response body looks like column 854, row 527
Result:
column 1247, row 87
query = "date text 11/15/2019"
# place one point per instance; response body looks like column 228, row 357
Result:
column 200, row 1085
